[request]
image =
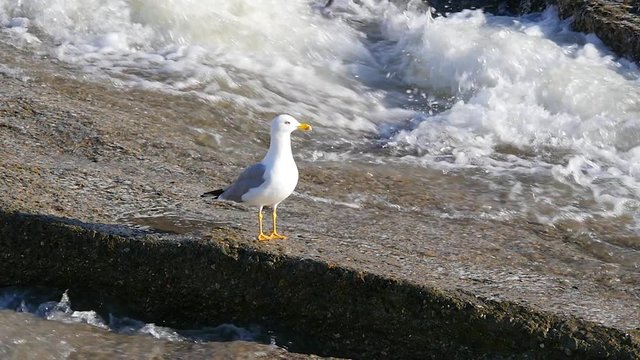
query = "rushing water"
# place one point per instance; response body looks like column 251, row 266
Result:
column 89, row 334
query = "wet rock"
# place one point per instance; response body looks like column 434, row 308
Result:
column 29, row 337
column 380, row 264
column 328, row 310
column 443, row 7
column 617, row 23
column 491, row 6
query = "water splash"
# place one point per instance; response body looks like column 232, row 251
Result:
column 521, row 100
column 35, row 301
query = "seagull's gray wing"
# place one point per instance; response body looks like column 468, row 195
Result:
column 250, row 178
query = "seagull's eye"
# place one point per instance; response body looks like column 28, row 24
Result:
column 287, row 122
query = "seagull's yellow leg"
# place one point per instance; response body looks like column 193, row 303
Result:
column 274, row 234
column 261, row 235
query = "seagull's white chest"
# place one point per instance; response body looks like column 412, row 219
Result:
column 281, row 178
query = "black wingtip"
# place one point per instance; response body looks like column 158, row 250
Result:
column 214, row 193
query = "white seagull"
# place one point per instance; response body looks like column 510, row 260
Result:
column 270, row 181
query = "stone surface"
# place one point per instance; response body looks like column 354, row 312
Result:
column 99, row 190
column 617, row 23
column 327, row 309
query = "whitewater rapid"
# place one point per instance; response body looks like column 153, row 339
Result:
column 549, row 116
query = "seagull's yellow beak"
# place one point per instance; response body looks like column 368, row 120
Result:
column 304, row 127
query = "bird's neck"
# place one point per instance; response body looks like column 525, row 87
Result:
column 280, row 147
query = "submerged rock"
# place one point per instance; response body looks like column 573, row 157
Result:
column 617, row 23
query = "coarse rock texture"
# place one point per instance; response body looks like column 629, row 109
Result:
column 617, row 23
column 99, row 192
column 328, row 309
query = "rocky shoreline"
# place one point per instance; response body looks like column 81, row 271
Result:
column 99, row 192
column 332, row 310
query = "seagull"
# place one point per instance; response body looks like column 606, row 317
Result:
column 270, row 181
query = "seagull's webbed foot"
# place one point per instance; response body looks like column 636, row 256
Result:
column 275, row 236
column 263, row 237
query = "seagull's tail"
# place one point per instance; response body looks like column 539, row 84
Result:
column 214, row 193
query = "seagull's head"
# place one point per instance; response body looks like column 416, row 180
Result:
column 286, row 124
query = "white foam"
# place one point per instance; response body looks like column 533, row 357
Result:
column 520, row 82
column 267, row 56
column 560, row 97
column 22, row 300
